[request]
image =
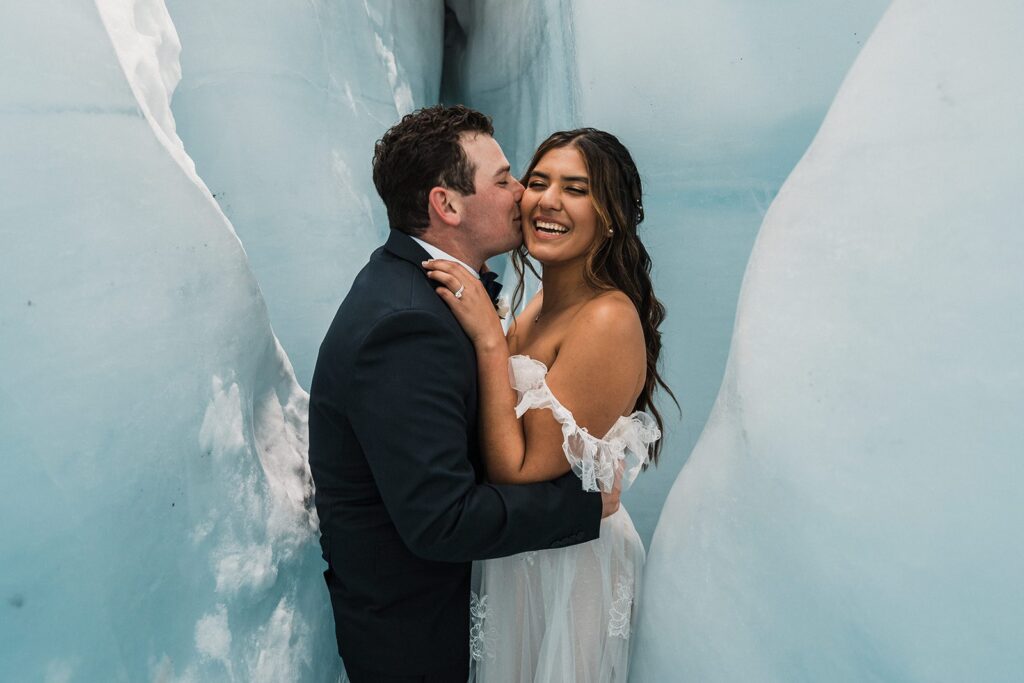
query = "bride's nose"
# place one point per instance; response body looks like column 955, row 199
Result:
column 550, row 198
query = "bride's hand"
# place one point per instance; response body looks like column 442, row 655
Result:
column 472, row 307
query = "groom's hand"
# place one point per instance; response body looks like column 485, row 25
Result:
column 610, row 500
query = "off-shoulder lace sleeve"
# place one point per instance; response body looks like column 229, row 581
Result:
column 626, row 445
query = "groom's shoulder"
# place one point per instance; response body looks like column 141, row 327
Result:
column 391, row 284
column 388, row 286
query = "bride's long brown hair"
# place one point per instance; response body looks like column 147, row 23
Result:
column 618, row 261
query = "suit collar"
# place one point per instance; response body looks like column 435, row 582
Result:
column 438, row 253
column 404, row 247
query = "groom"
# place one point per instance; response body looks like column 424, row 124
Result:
column 400, row 492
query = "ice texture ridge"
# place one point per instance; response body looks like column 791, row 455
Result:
column 280, row 103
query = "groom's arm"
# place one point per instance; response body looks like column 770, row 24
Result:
column 408, row 411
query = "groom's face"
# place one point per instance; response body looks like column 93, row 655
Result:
column 491, row 215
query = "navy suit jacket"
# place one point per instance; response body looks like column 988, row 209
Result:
column 400, row 493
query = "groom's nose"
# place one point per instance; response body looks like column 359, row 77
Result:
column 517, row 190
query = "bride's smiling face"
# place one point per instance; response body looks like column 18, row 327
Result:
column 560, row 223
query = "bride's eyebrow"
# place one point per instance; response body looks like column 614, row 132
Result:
column 565, row 178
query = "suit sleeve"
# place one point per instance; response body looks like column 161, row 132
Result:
column 408, row 411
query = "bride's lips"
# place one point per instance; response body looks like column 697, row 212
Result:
column 548, row 229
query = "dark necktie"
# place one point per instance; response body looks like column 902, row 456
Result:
column 491, row 284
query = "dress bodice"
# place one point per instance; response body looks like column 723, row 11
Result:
column 595, row 460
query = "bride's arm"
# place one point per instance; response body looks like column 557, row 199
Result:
column 597, row 375
column 502, row 442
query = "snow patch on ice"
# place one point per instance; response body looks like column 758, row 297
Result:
column 374, row 15
column 213, row 637
column 242, row 567
column 399, row 88
column 59, row 671
column 148, row 48
column 277, row 655
column 350, row 99
column 201, row 531
column 163, row 672
column 282, row 441
column 222, row 429
column 343, row 174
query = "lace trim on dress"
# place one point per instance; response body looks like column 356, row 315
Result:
column 626, row 445
column 621, row 609
column 481, row 637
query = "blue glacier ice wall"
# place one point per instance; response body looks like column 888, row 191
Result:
column 156, row 501
column 517, row 63
column 280, row 103
column 716, row 99
column 852, row 511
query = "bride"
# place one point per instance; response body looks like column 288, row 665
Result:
column 567, row 390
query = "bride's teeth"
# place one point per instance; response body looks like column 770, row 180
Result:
column 551, row 227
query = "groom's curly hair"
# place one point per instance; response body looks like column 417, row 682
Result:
column 421, row 152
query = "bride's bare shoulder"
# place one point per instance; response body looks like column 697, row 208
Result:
column 608, row 325
column 609, row 312
column 603, row 354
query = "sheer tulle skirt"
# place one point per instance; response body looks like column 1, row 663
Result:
column 559, row 615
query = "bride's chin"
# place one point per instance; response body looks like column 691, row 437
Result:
column 532, row 251
column 545, row 253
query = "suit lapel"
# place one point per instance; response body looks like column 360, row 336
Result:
column 404, row 247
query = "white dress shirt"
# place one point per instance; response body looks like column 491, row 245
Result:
column 436, row 253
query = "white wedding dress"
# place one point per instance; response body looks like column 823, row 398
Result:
column 567, row 614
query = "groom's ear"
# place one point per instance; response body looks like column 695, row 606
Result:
column 444, row 204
